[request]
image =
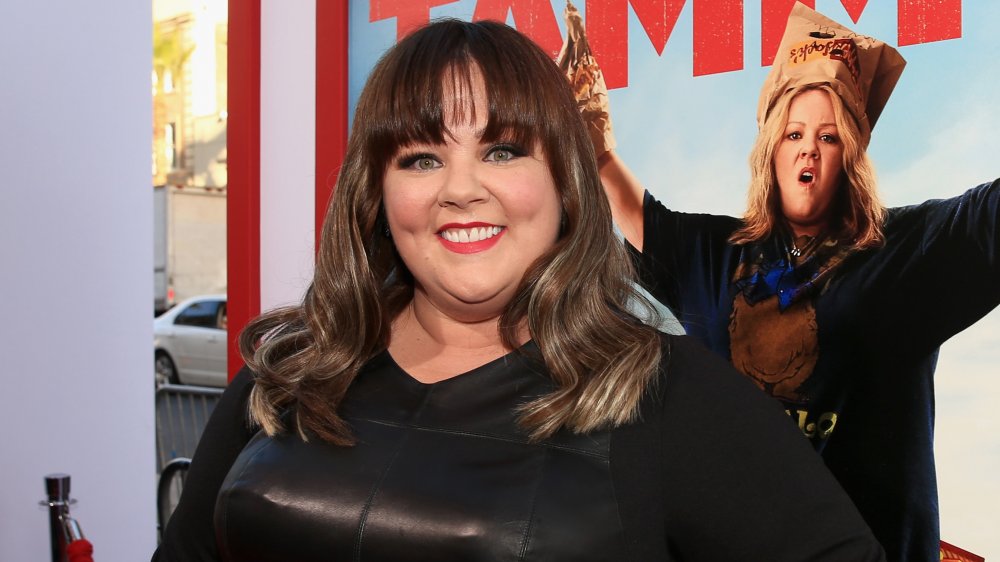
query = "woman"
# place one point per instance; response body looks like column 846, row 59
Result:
column 463, row 380
column 827, row 301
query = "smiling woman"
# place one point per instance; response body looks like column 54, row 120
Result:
column 465, row 380
column 469, row 216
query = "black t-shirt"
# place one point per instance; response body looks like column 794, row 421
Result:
column 863, row 342
column 711, row 471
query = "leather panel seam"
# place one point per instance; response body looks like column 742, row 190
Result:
column 565, row 448
column 359, row 537
column 526, row 537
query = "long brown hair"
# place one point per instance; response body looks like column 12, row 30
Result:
column 858, row 213
column 574, row 298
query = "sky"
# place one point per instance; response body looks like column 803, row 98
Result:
column 687, row 139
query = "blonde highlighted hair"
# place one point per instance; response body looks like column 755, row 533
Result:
column 858, row 213
column 574, row 299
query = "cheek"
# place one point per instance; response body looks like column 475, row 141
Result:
column 392, row 206
column 782, row 179
column 784, row 148
column 552, row 206
column 781, row 162
column 833, row 170
column 532, row 196
column 404, row 206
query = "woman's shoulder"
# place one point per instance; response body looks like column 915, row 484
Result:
column 718, row 449
column 657, row 211
column 239, row 387
column 692, row 376
column 984, row 196
column 244, row 379
column 683, row 357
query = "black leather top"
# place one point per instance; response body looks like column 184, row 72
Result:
column 440, row 472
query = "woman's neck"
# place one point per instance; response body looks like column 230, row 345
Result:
column 432, row 346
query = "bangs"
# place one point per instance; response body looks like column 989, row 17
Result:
column 429, row 86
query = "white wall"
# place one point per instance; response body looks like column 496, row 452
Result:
column 76, row 384
column 287, row 150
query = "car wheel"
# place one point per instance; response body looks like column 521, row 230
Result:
column 166, row 372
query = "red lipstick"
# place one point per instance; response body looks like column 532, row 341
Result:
column 482, row 245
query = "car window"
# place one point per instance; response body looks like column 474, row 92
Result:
column 204, row 314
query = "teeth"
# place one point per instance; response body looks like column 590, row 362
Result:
column 806, row 176
column 466, row 235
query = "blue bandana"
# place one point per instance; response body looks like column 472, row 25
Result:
column 774, row 273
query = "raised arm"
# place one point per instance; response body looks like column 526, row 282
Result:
column 624, row 192
column 943, row 255
column 625, row 195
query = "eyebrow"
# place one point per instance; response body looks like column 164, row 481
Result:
column 823, row 124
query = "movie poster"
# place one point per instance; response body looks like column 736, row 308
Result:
column 684, row 78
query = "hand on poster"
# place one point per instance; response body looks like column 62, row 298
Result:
column 576, row 60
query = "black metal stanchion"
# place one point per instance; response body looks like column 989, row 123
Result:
column 57, row 488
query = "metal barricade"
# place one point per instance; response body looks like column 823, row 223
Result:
column 168, row 491
column 181, row 414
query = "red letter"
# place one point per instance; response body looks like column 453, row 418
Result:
column 925, row 21
column 607, row 30
column 854, row 8
column 533, row 18
column 409, row 14
column 774, row 16
column 920, row 21
column 773, row 19
column 718, row 36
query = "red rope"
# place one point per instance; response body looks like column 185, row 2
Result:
column 80, row 551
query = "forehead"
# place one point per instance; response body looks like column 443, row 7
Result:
column 811, row 106
column 449, row 75
column 464, row 99
column 462, row 95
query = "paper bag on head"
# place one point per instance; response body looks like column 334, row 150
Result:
column 818, row 50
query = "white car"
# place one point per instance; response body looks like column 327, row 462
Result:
column 190, row 342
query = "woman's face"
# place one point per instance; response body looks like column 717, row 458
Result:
column 808, row 163
column 468, row 217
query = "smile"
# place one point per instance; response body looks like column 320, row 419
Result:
column 470, row 238
column 467, row 235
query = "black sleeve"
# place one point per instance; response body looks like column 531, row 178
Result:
column 728, row 475
column 941, row 266
column 190, row 534
column 678, row 249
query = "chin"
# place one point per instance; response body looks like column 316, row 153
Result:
column 480, row 300
column 475, row 313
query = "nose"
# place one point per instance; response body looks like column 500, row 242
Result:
column 809, row 149
column 462, row 187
